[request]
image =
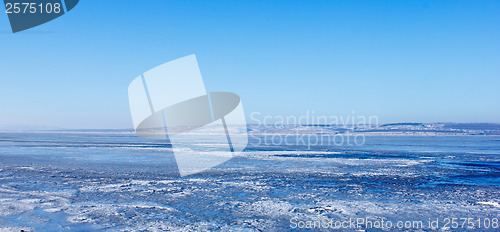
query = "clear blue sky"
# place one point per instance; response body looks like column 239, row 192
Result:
column 403, row 61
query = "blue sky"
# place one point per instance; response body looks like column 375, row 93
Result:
column 404, row 61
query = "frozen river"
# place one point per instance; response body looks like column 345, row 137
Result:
column 88, row 180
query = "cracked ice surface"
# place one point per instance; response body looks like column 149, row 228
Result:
column 116, row 181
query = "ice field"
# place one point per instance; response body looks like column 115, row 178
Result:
column 113, row 180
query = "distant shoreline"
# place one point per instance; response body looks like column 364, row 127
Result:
column 391, row 129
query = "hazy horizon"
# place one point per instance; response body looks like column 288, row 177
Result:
column 47, row 128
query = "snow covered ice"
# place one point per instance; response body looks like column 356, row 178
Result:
column 113, row 180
